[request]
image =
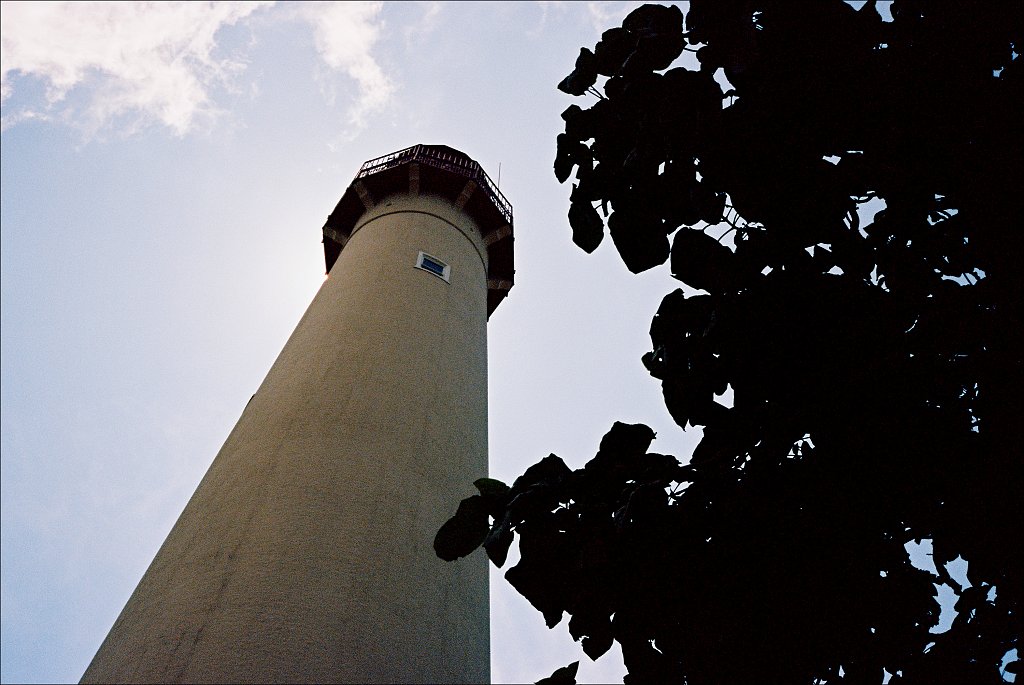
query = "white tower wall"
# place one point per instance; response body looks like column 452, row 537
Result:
column 305, row 553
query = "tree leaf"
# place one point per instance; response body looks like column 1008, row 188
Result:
column 568, row 154
column 627, row 439
column 464, row 532
column 582, row 77
column 498, row 541
column 587, row 226
column 535, row 586
column 701, row 261
column 489, row 487
column 595, row 630
column 549, row 469
column 612, row 51
column 659, row 34
column 641, row 241
column 596, row 646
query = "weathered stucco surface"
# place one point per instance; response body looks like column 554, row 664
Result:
column 306, row 553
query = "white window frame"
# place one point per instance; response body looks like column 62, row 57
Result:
column 445, row 275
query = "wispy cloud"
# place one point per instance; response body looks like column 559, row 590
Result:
column 420, row 30
column 546, row 6
column 345, row 34
column 144, row 61
column 125, row 65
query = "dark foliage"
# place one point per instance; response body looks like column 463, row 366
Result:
column 875, row 369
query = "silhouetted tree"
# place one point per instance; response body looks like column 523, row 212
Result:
column 858, row 380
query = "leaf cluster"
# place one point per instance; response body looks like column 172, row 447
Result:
column 839, row 196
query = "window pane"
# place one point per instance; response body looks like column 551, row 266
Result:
column 430, row 265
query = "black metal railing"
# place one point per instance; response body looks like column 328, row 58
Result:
column 441, row 158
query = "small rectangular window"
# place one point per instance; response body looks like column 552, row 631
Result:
column 430, row 265
column 433, row 265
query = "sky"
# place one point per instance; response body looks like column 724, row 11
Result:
column 166, row 170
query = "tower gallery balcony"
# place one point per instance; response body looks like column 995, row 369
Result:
column 431, row 170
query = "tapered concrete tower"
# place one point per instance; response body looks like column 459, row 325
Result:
column 305, row 553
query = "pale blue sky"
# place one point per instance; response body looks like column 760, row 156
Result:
column 166, row 170
column 165, row 174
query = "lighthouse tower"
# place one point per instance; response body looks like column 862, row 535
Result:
column 305, row 553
